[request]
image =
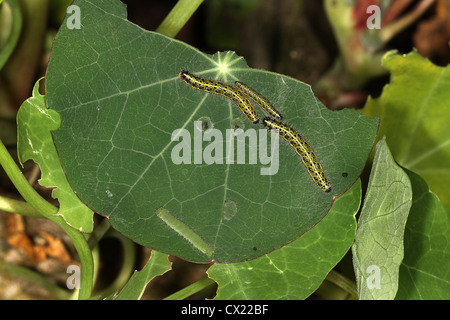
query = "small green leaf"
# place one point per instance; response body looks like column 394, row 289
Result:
column 378, row 248
column 415, row 113
column 34, row 142
column 425, row 269
column 157, row 265
column 296, row 270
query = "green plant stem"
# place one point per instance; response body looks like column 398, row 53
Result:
column 392, row 29
column 7, row 50
column 49, row 211
column 178, row 17
column 18, row 207
column 191, row 289
column 343, row 283
column 129, row 258
column 98, row 233
column 13, row 270
column 25, row 189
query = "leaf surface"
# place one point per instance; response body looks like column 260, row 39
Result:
column 378, row 248
column 133, row 151
column 415, row 113
column 34, row 142
column 425, row 269
column 296, row 270
column 157, row 265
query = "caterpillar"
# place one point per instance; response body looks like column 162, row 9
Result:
column 185, row 231
column 259, row 99
column 303, row 149
column 223, row 89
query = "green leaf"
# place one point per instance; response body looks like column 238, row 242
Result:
column 157, row 265
column 415, row 113
column 296, row 270
column 34, row 142
column 126, row 117
column 378, row 248
column 425, row 269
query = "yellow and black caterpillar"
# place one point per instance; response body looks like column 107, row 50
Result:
column 223, row 89
column 303, row 149
column 239, row 94
column 259, row 99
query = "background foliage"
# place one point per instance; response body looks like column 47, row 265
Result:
column 326, row 44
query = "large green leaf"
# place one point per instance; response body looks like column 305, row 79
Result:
column 125, row 115
column 34, row 142
column 378, row 248
column 415, row 113
column 425, row 269
column 296, row 270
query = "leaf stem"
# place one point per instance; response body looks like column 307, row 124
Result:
column 178, row 17
column 25, row 189
column 191, row 289
column 98, row 233
column 129, row 257
column 13, row 270
column 49, row 211
column 392, row 29
column 8, row 49
column 18, row 207
column 343, row 283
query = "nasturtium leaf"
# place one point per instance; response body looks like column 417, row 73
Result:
column 378, row 248
column 34, row 142
column 415, row 111
column 296, row 270
column 157, row 265
column 162, row 161
column 425, row 269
